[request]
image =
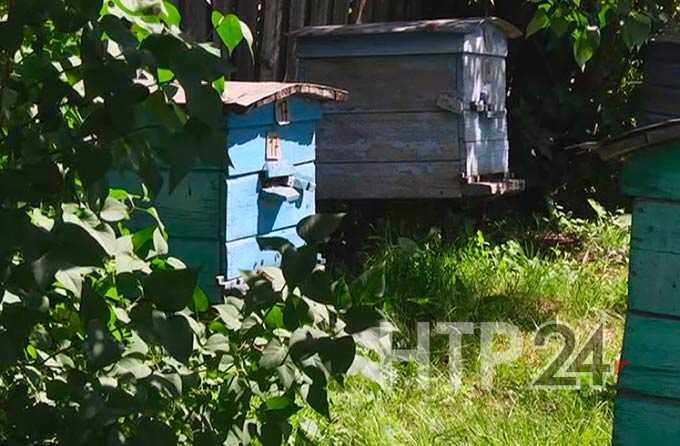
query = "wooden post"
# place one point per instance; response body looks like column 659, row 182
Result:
column 340, row 12
column 271, row 67
column 321, row 12
column 195, row 19
column 248, row 11
column 296, row 20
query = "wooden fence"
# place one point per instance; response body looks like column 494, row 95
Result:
column 272, row 20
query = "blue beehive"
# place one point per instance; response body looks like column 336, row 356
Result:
column 215, row 216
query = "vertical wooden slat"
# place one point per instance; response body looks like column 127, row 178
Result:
column 381, row 11
column 270, row 49
column 296, row 20
column 398, row 10
column 321, row 12
column 414, row 10
column 340, row 12
column 362, row 11
column 195, row 19
column 247, row 11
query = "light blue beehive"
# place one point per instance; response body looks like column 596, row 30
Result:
column 215, row 215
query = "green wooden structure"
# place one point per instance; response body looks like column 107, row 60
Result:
column 647, row 409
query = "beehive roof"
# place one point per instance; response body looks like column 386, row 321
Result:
column 451, row 26
column 246, row 95
column 640, row 138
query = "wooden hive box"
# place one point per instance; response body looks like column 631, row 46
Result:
column 647, row 406
column 426, row 117
column 215, row 215
column 661, row 91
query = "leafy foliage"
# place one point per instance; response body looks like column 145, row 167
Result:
column 104, row 337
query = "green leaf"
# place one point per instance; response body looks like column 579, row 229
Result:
column 170, row 290
column 636, row 29
column 100, row 347
column 318, row 287
column 230, row 31
column 175, row 334
column 278, row 409
column 273, row 355
column 361, row 318
column 318, row 228
column 370, row 286
column 337, row 354
column 317, row 397
column 218, row 343
column 199, row 301
column 538, row 22
column 133, row 367
column 230, row 315
column 298, row 264
column 113, row 210
column 94, row 307
column 172, row 16
column 583, row 48
column 153, row 433
column 341, row 294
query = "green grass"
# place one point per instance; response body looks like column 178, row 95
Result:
column 554, row 268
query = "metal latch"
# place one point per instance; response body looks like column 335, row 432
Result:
column 451, row 103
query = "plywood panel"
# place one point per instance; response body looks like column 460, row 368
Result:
column 390, row 83
column 388, row 180
column 251, row 212
column 389, row 137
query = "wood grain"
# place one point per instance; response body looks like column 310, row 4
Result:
column 641, row 420
column 271, row 62
column 246, row 66
column 320, row 13
column 296, row 21
column 196, row 19
column 359, row 181
column 486, row 157
column 388, row 83
column 368, row 137
column 340, row 12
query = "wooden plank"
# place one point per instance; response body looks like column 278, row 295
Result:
column 375, row 87
column 203, row 255
column 482, row 75
column 381, row 11
column 195, row 19
column 192, row 210
column 663, row 74
column 651, row 354
column 320, row 12
column 656, row 226
column 479, row 127
column 356, row 181
column 427, row 136
column 654, row 282
column 340, row 14
column 271, row 63
column 398, row 10
column 248, row 12
column 653, row 173
column 641, row 420
column 245, row 254
column 486, row 157
column 296, row 21
column 663, row 100
column 247, row 146
column 379, row 45
column 649, row 117
column 358, row 14
column 251, row 212
column 300, row 108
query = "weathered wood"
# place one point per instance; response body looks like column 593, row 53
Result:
column 389, row 180
column 643, row 177
column 431, row 136
column 361, row 12
column 493, row 187
column 296, row 21
column 651, row 353
column 246, row 95
column 486, row 157
column 445, row 26
column 246, row 255
column 340, row 12
column 641, row 420
column 647, row 137
column 196, row 19
column 663, row 74
column 271, row 63
column 369, row 80
column 661, row 99
column 480, row 76
column 381, row 11
column 248, row 12
column 320, row 12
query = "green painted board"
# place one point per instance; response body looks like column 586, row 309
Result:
column 640, row 421
column 653, row 173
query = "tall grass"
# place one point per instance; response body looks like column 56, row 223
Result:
column 526, row 273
